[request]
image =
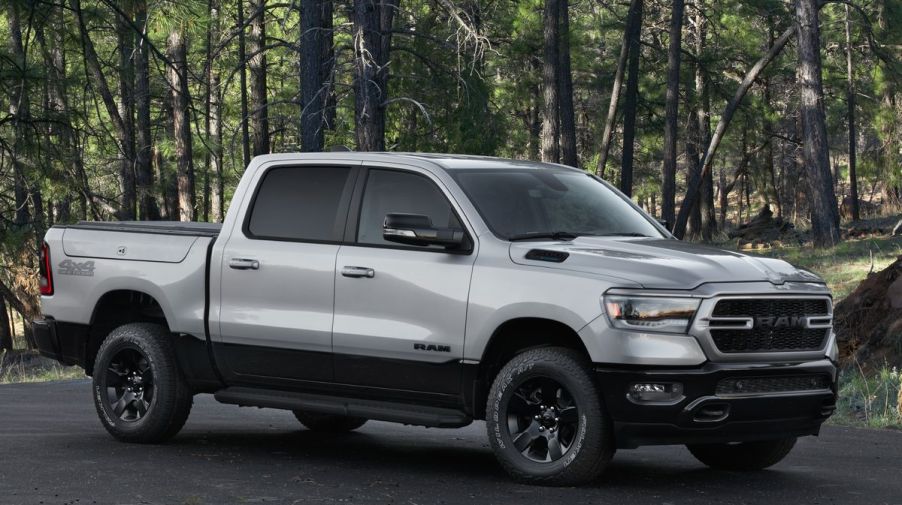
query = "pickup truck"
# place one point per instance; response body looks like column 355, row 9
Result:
column 436, row 290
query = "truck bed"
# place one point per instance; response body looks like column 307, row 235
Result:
column 191, row 228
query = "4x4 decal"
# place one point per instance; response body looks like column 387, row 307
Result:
column 69, row 267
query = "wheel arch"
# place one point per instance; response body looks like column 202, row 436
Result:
column 513, row 337
column 115, row 308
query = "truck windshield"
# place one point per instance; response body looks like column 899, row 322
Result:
column 523, row 204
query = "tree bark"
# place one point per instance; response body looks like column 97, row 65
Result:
column 6, row 336
column 569, row 155
column 551, row 113
column 692, row 191
column 631, row 103
column 214, row 128
column 822, row 199
column 147, row 204
column 242, row 77
column 125, row 37
column 177, row 73
column 635, row 9
column 850, row 115
column 671, row 113
column 703, row 117
column 372, row 21
column 19, row 110
column 313, row 93
column 256, row 45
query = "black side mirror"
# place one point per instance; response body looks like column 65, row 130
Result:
column 416, row 229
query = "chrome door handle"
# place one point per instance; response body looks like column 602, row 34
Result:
column 369, row 273
column 244, row 264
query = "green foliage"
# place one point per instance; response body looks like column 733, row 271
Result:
column 870, row 399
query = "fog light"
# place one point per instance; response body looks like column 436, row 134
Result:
column 655, row 392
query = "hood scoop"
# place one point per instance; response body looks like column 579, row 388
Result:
column 546, row 255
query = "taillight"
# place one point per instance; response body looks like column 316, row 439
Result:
column 46, row 272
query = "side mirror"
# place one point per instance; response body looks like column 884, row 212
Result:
column 665, row 223
column 416, row 229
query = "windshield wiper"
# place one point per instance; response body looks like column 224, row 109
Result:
column 553, row 235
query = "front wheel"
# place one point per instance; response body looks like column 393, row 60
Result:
column 139, row 392
column 743, row 455
column 545, row 419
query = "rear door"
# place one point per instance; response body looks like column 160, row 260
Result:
column 277, row 286
column 400, row 311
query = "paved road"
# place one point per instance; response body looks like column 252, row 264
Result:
column 54, row 451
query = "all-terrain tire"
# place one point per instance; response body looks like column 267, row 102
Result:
column 744, row 455
column 139, row 392
column 511, row 398
column 328, row 423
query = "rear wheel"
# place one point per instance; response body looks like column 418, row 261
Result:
column 743, row 455
column 545, row 419
column 328, row 422
column 139, row 392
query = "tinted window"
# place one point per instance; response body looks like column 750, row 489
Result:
column 392, row 192
column 299, row 203
column 521, row 202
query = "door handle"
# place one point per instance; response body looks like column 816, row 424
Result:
column 244, row 264
column 369, row 273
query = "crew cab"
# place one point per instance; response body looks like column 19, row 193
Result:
column 436, row 290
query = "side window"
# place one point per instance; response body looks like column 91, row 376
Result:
column 299, row 203
column 393, row 192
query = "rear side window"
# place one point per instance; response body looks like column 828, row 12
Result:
column 299, row 203
column 394, row 192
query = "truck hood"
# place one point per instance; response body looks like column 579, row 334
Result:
column 657, row 263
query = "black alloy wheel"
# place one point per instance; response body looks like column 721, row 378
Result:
column 129, row 385
column 543, row 420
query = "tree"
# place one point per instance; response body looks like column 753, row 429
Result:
column 822, row 199
column 147, row 204
column 241, row 28
column 125, row 36
column 19, row 110
column 551, row 151
column 214, row 126
column 372, row 20
column 631, row 101
column 850, row 117
column 668, row 202
column 177, row 74
column 257, row 62
column 565, row 83
column 313, row 92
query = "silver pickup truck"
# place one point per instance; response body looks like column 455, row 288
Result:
column 436, row 290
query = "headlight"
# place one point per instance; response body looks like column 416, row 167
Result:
column 638, row 313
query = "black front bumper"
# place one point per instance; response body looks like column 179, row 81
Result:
column 64, row 342
column 747, row 417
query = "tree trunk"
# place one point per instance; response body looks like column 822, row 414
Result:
column 19, row 111
column 631, row 102
column 313, row 93
column 256, row 45
column 327, row 39
column 822, row 199
column 569, row 154
column 703, row 117
column 6, row 335
column 692, row 191
column 214, row 131
column 147, row 204
column 242, row 77
column 125, row 38
column 551, row 114
column 371, row 48
column 635, row 9
column 671, row 113
column 850, row 104
column 177, row 72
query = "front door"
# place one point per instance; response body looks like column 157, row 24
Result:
column 400, row 311
column 277, row 287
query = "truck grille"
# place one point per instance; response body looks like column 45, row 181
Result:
column 784, row 333
column 764, row 385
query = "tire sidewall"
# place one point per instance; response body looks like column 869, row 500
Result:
column 131, row 336
column 591, row 428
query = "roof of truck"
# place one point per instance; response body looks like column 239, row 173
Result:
column 447, row 161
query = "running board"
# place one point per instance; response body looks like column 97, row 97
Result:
column 435, row 417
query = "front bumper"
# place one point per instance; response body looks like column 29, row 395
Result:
column 746, row 417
